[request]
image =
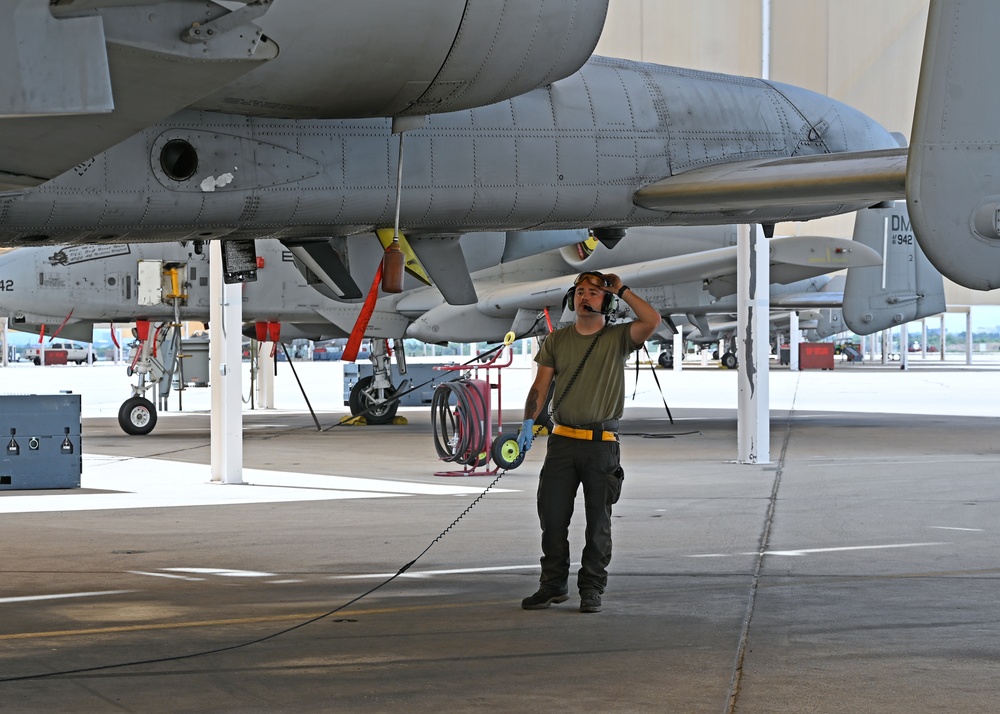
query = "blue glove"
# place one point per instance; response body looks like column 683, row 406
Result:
column 525, row 436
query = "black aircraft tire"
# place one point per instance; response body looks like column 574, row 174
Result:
column 729, row 360
column 137, row 416
column 360, row 400
column 665, row 360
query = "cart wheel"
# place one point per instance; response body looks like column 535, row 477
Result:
column 505, row 451
column 137, row 416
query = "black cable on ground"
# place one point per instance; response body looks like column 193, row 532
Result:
column 273, row 635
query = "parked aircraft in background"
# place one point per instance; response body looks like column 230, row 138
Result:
column 73, row 287
column 276, row 120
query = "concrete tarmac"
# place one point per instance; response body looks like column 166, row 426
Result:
column 857, row 571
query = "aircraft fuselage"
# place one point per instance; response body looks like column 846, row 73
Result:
column 568, row 155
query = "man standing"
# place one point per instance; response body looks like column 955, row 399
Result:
column 587, row 361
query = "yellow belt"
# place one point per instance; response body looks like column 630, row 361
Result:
column 585, row 434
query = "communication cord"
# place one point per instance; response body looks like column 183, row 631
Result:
column 273, row 635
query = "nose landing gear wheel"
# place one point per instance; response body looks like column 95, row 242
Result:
column 137, row 416
column 505, row 451
column 363, row 397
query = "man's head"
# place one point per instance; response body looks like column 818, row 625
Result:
column 588, row 294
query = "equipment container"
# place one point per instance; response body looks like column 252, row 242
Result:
column 816, row 355
column 40, row 435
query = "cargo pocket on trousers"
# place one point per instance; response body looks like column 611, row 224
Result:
column 615, row 485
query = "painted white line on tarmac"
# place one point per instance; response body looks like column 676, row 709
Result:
column 952, row 528
column 162, row 575
column 61, row 596
column 811, row 551
column 431, row 573
column 223, row 572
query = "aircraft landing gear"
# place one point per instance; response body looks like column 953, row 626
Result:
column 729, row 360
column 137, row 416
column 373, row 401
column 155, row 359
column 372, row 396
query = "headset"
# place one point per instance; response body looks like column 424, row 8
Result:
column 608, row 305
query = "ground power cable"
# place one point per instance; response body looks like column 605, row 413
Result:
column 273, row 635
column 297, row 626
column 736, row 680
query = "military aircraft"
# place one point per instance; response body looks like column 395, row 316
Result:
column 191, row 120
column 73, row 287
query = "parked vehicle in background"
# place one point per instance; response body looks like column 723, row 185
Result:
column 75, row 352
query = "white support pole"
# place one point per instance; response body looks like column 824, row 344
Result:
column 943, row 340
column 6, row 349
column 923, row 339
column 753, row 326
column 794, row 338
column 904, row 347
column 968, row 336
column 226, row 353
column 265, row 375
column 886, row 345
column 679, row 351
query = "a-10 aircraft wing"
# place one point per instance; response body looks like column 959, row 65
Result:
column 792, row 258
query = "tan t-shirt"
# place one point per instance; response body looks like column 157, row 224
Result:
column 598, row 392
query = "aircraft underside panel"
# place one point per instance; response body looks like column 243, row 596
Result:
column 539, row 161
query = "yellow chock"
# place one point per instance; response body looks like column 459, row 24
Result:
column 354, row 420
column 400, row 421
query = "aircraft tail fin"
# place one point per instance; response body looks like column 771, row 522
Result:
column 953, row 169
column 905, row 287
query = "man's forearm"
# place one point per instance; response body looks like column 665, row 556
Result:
column 531, row 404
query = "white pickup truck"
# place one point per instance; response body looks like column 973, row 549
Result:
column 74, row 352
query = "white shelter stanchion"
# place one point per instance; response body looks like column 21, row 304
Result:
column 904, row 347
column 226, row 361
column 968, row 336
column 944, row 342
column 678, row 351
column 794, row 338
column 6, row 349
column 265, row 375
column 753, row 325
